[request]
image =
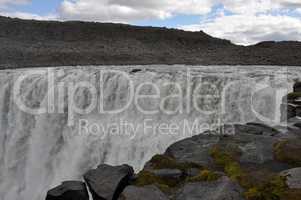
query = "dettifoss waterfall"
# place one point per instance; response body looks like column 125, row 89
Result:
column 57, row 123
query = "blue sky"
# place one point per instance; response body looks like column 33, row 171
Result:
column 242, row 22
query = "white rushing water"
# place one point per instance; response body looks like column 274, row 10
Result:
column 40, row 151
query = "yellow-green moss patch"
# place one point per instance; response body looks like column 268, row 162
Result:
column 147, row 178
column 273, row 189
column 204, row 175
column 231, row 167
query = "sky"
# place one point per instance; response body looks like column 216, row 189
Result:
column 243, row 22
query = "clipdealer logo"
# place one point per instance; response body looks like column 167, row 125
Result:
column 195, row 94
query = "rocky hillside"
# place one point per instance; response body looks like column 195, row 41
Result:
column 27, row 43
column 237, row 162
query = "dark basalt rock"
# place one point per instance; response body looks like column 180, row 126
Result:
column 69, row 190
column 107, row 182
column 150, row 192
column 222, row 189
column 297, row 87
column 168, row 173
column 195, row 149
column 133, row 71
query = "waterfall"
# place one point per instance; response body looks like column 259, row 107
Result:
column 39, row 151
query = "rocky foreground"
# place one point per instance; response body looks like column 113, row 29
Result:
column 251, row 162
column 28, row 43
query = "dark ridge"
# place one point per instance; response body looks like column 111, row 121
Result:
column 30, row 43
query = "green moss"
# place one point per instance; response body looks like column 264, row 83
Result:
column 227, row 161
column 220, row 157
column 273, row 189
column 288, row 151
column 294, row 95
column 165, row 162
column 231, row 167
column 147, row 178
column 204, row 175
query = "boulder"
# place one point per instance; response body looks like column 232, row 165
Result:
column 222, row 189
column 293, row 178
column 195, row 149
column 107, row 182
column 253, row 142
column 69, row 190
column 150, row 192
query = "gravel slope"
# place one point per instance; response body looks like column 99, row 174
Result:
column 28, row 43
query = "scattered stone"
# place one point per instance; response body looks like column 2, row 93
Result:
column 150, row 192
column 222, row 189
column 69, row 190
column 107, row 182
column 293, row 178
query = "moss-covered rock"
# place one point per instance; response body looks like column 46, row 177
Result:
column 166, row 162
column 147, row 178
column 273, row 189
column 288, row 151
column 204, row 175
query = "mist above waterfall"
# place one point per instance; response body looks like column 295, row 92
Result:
column 59, row 122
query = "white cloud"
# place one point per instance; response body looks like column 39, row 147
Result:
column 249, row 7
column 131, row 10
column 250, row 29
column 5, row 3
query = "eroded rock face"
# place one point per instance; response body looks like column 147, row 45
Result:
column 69, row 190
column 293, row 178
column 222, row 189
column 150, row 192
column 107, row 182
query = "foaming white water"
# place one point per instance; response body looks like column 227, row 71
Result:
column 37, row 152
